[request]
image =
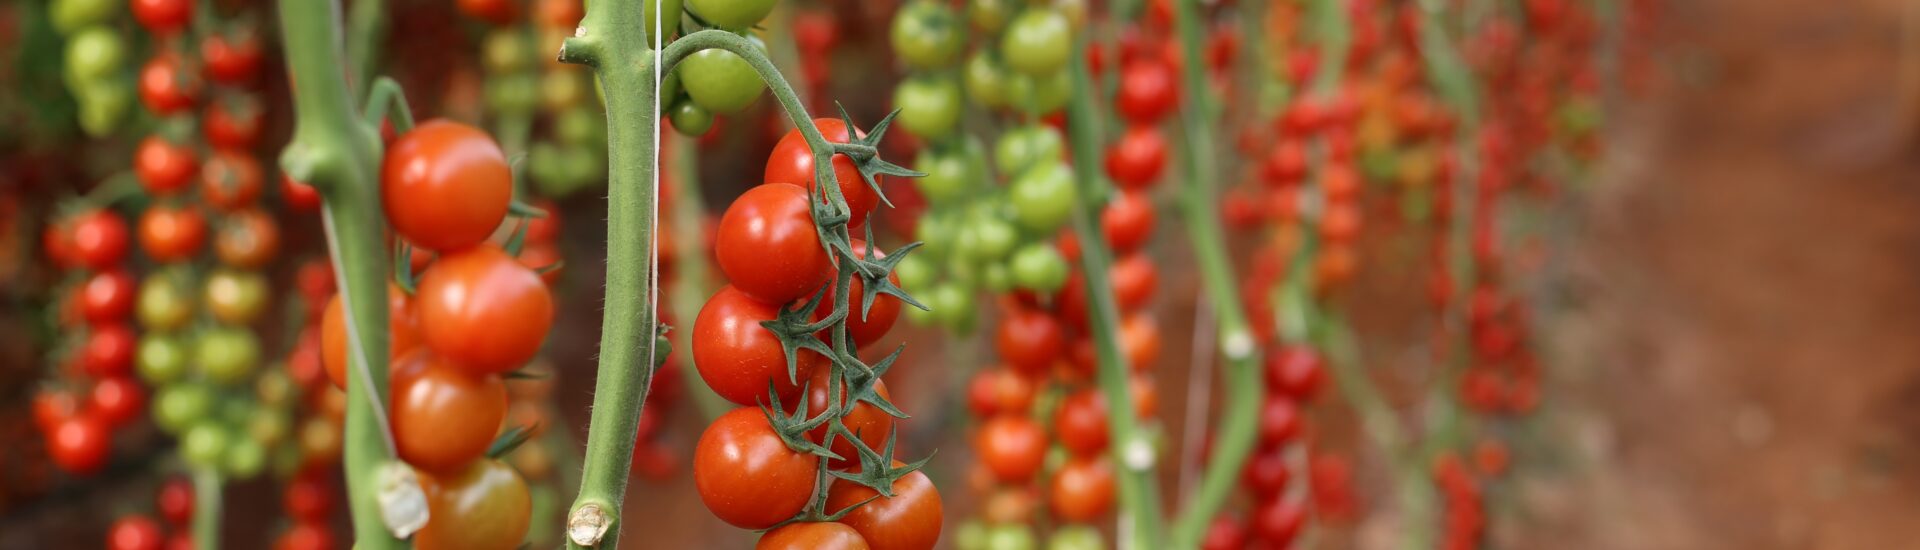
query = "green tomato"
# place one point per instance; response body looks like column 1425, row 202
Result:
column 1076, row 537
column 72, row 15
column 986, row 80
column 996, row 277
column 237, row 411
column 1051, row 92
column 733, row 15
column 1011, row 536
column 988, row 16
column 164, row 304
column 915, row 272
column 95, row 53
column 236, row 297
column 927, row 35
column 670, row 25
column 929, row 106
column 1023, row 148
column 245, row 458
column 1043, row 197
column 994, row 238
column 1378, row 163
column 1038, row 266
column 1038, row 41
column 160, row 358
column 506, row 50
column 513, row 93
column 689, row 119
column 720, row 81
column 205, row 445
column 270, row 427
column 935, row 233
column 227, row 355
column 561, row 90
column 273, row 387
column 179, row 406
column 962, row 271
column 971, row 535
column 949, row 175
column 103, row 104
column 581, row 126
column 670, row 89
column 953, row 306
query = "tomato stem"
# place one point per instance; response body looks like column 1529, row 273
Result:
column 206, row 507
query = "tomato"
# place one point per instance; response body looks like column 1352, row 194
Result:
column 867, row 421
column 174, row 501
column 1267, row 473
column 812, row 536
column 999, row 391
column 402, row 333
column 1279, row 421
column 1030, row 341
column 929, row 105
column 51, row 406
column 1133, row 277
column 690, row 119
column 737, row 357
column 1136, row 160
column 985, row 78
column 231, row 60
column 1278, row 520
column 232, row 123
column 1037, row 42
column 483, row 504
column 1146, row 396
column 97, row 239
column 230, row 180
column 57, row 240
column 927, row 35
column 498, row 12
column 117, row 400
column 95, row 54
column 719, row 81
column 107, row 297
column 768, row 246
column 746, row 475
column 865, row 325
column 227, row 355
column 299, row 196
column 445, row 185
column 1076, row 537
column 1082, row 491
column 1224, row 534
column 1020, row 149
column 989, row 16
column 166, row 89
column 163, row 16
column 306, row 536
column 172, row 233
column 1140, row 341
column 1081, row 422
column 909, row 520
column 1149, row 90
column 1296, row 372
column 236, row 297
column 247, row 239
column 134, row 533
column 164, row 303
column 1038, row 266
column 483, row 310
column 951, row 171
column 792, row 162
column 78, row 444
column 1008, row 504
column 1043, row 197
column 1127, row 221
column 177, row 407
column 109, row 351
column 443, row 415
column 563, row 13
column 1012, row 447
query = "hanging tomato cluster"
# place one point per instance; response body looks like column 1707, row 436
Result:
column 174, row 503
column 98, row 298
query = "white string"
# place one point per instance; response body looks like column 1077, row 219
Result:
column 357, row 345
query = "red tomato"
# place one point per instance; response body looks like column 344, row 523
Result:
column 135, row 533
column 308, row 497
column 1134, row 278
column 746, row 475
column 792, row 162
column 1148, row 91
column 1267, row 473
column 445, row 185
column 737, row 357
column 181, row 540
column 163, row 16
column 1285, row 164
column 117, row 400
column 1340, row 222
column 172, row 233
column 999, row 391
column 1030, row 341
column 174, row 501
column 497, row 12
column 402, row 332
column 78, row 444
column 52, row 406
column 1140, row 341
column 231, row 60
column 97, row 239
column 164, row 167
column 867, row 421
column 1081, row 422
column 57, row 240
column 544, row 259
column 482, row 309
column 910, row 520
column 306, row 536
column 1279, row 421
column 1296, row 372
column 107, row 296
column 1082, row 491
column 1278, row 520
column 248, row 238
column 166, row 89
column 232, row 123
column 768, row 246
column 482, row 505
column 1127, row 221
column 868, row 328
column 299, row 196
column 1012, row 447
column 444, row 417
column 230, row 180
column 1224, row 534
column 546, row 229
column 109, row 351
column 1137, row 159
column 812, row 536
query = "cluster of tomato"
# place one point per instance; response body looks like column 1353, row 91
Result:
column 99, row 294
column 174, row 502
column 521, row 91
column 96, row 55
column 710, row 82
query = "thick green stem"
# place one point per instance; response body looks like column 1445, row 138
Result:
column 366, row 23
column 1132, row 448
column 1239, row 418
column 337, row 154
column 206, row 508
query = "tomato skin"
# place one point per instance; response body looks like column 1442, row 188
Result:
column 172, row 233
column 731, row 14
column 247, row 238
column 107, row 297
column 737, row 357
column 482, row 505
column 497, row 12
column 231, row 60
column 98, row 239
column 135, row 533
column 1137, row 159
column 308, row 498
column 53, row 406
column 1134, row 278
column 1012, row 447
column 999, row 391
column 1297, row 372
column 117, row 400
column 768, row 246
column 1037, row 42
column 109, row 351
column 746, row 475
column 445, row 185
column 1127, row 221
column 484, row 310
column 163, row 16
column 812, row 536
column 1030, row 341
column 1267, row 473
column 403, row 334
column 230, row 180
column 721, row 81
column 174, row 501
column 1140, row 341
column 792, row 162
column 299, row 196
column 1224, row 534
column 1279, row 421
column 1081, row 422
column 78, row 444
column 1148, row 91
column 868, row 422
column 164, row 167
column 1277, row 521
column 306, row 536
column 166, row 89
column 443, row 416
column 231, row 124
column 910, row 520
column 1082, row 491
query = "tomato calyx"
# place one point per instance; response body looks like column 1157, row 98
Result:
column 865, row 152
column 510, row 440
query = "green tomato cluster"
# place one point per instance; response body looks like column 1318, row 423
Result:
column 96, row 62
column 210, row 391
column 571, row 157
column 974, row 535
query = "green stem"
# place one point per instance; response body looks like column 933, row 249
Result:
column 338, row 155
column 690, row 271
column 206, row 508
column 366, row 23
column 1132, row 448
column 1239, row 417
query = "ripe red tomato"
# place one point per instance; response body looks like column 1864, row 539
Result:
column 1148, row 90
column 181, row 540
column 877, row 321
column 1030, row 341
column 230, row 180
column 1081, row 422
column 172, row 233
column 52, row 406
column 444, row 417
column 306, row 536
column 547, row 229
column 867, row 421
column 1267, row 473
column 97, row 239
column 1296, row 372
column 1285, row 164
column 999, row 391
column 1140, row 341
column 308, row 498
column 482, row 309
column 299, row 196
column 57, row 241
column 768, row 246
column 746, row 475
column 1224, row 534
column 792, row 162
column 1279, row 421
column 445, row 185
column 1127, row 221
column 812, row 536
column 174, row 501
column 109, row 351
column 1277, row 521
column 1134, row 278
column 164, row 167
column 106, row 297
column 78, row 444
column 231, row 60
column 1340, row 222
column 403, row 334
column 1137, row 159
column 737, row 357
column 1082, row 491
column 248, row 238
column 166, row 89
column 483, row 504
column 163, row 16
column 563, row 14
column 135, row 533
column 1012, row 447
column 910, row 520
column 232, row 123
column 498, row 12
column 117, row 400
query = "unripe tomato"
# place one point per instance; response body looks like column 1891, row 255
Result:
column 986, row 78
column 734, row 15
column 95, row 54
column 236, row 297
column 484, row 310
column 205, row 444
column 227, row 355
column 445, row 185
column 929, row 105
column 164, row 303
column 1043, row 197
column 927, row 35
column 1037, row 42
column 177, row 407
column 720, row 81
column 483, row 505
column 161, row 358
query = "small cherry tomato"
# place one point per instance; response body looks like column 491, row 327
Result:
column 1136, row 160
column 1030, row 341
column 232, row 123
column 746, row 475
column 109, row 351
column 868, row 422
column 444, row 417
column 402, row 333
column 1127, row 221
column 230, row 180
column 165, row 88
column 117, row 400
column 98, row 239
column 999, row 391
column 78, row 444
column 107, row 297
column 231, row 59
column 792, row 162
column 909, row 520
column 172, row 233
column 812, row 536
column 768, row 246
column 1012, row 447
column 247, row 239
column 135, row 533
column 163, row 16
column 1081, row 422
column 482, row 505
column 445, row 185
column 738, row 358
column 1148, row 91
column 174, row 501
column 1082, row 491
column 484, row 310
